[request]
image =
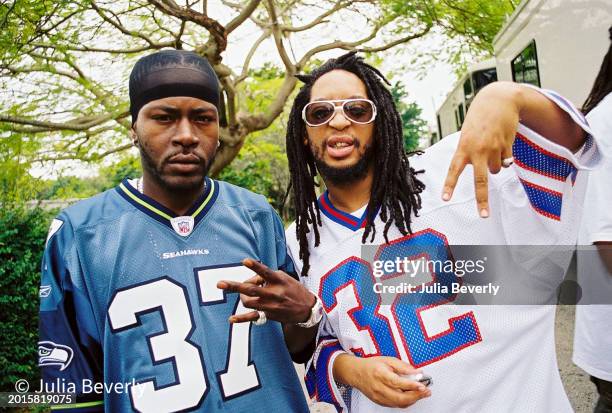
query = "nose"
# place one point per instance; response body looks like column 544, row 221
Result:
column 184, row 134
column 338, row 120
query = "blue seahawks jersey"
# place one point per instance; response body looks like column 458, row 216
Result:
column 129, row 302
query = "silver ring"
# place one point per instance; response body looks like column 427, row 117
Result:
column 508, row 161
column 261, row 320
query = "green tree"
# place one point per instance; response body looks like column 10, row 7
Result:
column 469, row 27
column 414, row 127
column 63, row 64
column 126, row 167
column 22, row 241
column 66, row 84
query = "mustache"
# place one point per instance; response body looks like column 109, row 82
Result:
column 181, row 153
column 356, row 143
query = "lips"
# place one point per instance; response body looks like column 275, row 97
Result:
column 183, row 158
column 339, row 147
column 184, row 163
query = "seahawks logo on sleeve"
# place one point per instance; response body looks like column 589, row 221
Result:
column 52, row 354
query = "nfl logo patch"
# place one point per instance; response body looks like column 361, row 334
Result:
column 182, row 225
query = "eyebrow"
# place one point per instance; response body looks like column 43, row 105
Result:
column 351, row 97
column 172, row 109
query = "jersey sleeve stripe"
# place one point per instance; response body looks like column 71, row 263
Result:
column 326, row 388
column 534, row 158
column 85, row 407
column 545, row 201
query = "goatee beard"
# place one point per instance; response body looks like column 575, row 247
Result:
column 348, row 175
column 182, row 184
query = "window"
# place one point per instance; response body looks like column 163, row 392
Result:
column 439, row 126
column 525, row 66
column 467, row 88
column 481, row 78
column 459, row 116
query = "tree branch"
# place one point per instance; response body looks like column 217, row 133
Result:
column 244, row 14
column 278, row 40
column 395, row 42
column 118, row 25
column 338, row 45
column 319, row 19
column 78, row 124
column 216, row 30
column 249, row 56
column 355, row 45
column 94, row 157
column 84, row 48
column 5, row 17
column 263, row 120
column 42, row 69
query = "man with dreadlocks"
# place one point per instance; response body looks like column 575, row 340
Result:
column 344, row 126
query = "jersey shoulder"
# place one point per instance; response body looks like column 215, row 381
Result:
column 106, row 206
column 234, row 196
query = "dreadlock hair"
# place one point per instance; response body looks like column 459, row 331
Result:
column 395, row 189
column 603, row 82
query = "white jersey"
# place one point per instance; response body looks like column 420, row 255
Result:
column 481, row 357
column 592, row 337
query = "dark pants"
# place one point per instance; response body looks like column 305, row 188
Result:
column 604, row 388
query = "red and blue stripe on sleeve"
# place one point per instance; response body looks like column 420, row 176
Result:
column 543, row 176
column 319, row 378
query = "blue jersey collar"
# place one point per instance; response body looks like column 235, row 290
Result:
column 164, row 215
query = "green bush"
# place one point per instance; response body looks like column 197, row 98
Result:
column 22, row 240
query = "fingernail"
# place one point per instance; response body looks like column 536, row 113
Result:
column 445, row 196
column 221, row 285
column 484, row 213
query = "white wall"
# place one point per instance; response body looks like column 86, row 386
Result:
column 447, row 109
column 571, row 40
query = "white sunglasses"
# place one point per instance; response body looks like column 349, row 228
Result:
column 321, row 112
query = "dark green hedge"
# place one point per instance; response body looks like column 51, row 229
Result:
column 22, row 240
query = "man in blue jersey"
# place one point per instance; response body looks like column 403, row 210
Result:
column 129, row 297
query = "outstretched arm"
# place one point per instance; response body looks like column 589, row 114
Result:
column 490, row 127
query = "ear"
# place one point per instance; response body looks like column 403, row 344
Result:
column 133, row 136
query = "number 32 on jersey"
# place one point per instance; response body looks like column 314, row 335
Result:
column 171, row 300
column 400, row 325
